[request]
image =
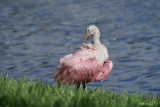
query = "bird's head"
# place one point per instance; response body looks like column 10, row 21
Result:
column 92, row 31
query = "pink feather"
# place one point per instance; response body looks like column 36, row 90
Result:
column 79, row 67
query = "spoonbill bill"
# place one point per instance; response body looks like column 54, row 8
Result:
column 89, row 63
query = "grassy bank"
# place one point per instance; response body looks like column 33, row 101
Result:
column 30, row 93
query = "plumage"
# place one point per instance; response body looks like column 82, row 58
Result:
column 89, row 63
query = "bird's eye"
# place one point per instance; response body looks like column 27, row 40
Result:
column 88, row 29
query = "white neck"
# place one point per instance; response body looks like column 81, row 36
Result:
column 96, row 40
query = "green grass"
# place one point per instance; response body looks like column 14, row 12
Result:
column 28, row 93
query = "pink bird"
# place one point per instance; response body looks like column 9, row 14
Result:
column 89, row 63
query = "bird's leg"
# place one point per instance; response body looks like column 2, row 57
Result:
column 59, row 85
column 84, row 85
column 78, row 85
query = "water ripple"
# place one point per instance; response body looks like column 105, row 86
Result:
column 35, row 34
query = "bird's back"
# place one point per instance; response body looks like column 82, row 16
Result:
column 98, row 52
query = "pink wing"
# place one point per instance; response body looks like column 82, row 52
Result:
column 77, row 68
column 106, row 69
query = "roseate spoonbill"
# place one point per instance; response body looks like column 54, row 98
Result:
column 89, row 63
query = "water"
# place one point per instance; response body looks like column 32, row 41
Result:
column 35, row 34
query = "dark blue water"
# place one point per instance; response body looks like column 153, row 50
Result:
column 34, row 34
